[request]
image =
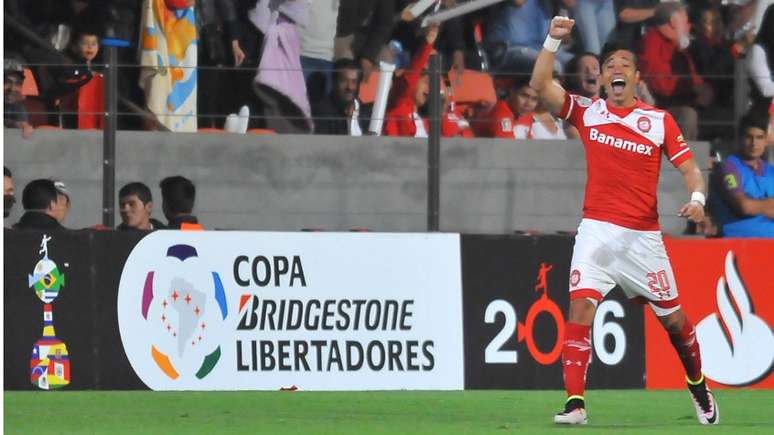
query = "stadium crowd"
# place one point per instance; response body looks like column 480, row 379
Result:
column 301, row 66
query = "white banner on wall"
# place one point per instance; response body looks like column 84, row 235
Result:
column 319, row 311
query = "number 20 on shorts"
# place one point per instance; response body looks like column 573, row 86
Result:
column 658, row 283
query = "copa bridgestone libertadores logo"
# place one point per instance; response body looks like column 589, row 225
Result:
column 231, row 310
column 177, row 317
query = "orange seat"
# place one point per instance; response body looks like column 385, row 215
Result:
column 30, row 86
column 210, row 130
column 48, row 127
column 261, row 131
column 472, row 86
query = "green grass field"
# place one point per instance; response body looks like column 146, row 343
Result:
column 498, row 412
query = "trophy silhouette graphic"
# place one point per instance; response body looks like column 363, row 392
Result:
column 50, row 363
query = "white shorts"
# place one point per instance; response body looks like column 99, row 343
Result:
column 606, row 254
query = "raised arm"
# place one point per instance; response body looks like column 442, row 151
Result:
column 542, row 74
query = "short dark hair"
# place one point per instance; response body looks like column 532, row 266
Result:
column 519, row 82
column 753, row 119
column 39, row 194
column 613, row 46
column 85, row 30
column 343, row 64
column 7, row 172
column 142, row 191
column 178, row 194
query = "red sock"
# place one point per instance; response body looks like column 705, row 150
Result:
column 687, row 347
column 576, row 353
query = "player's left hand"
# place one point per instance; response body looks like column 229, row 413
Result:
column 693, row 211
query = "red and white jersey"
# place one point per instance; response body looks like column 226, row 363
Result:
column 623, row 158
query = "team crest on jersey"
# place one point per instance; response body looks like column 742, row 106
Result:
column 575, row 277
column 584, row 101
column 643, row 123
column 505, row 124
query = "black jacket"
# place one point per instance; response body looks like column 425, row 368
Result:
column 157, row 225
column 329, row 118
column 35, row 220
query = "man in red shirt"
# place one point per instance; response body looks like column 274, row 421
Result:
column 668, row 68
column 503, row 119
column 618, row 240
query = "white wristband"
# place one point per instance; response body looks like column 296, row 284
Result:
column 699, row 197
column 551, row 44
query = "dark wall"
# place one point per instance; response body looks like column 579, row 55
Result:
column 502, row 273
column 84, row 312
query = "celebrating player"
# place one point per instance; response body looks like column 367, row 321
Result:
column 618, row 240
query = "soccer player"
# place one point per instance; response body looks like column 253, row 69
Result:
column 618, row 240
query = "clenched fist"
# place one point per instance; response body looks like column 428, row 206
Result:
column 560, row 27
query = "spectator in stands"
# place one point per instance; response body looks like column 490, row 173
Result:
column 14, row 112
column 668, row 69
column 515, row 35
column 409, row 93
column 582, row 75
column 279, row 82
column 362, row 30
column 9, row 199
column 40, row 203
column 178, row 195
column 317, row 38
column 633, row 17
column 714, row 58
column 743, row 196
column 596, row 21
column 453, row 122
column 62, row 207
column 342, row 113
column 79, row 87
column 135, row 203
column 219, row 47
column 501, row 120
column 760, row 64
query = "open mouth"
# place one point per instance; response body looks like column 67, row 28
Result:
column 618, row 86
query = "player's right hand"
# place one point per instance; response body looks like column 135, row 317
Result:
column 560, row 27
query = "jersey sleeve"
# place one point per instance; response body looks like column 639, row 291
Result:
column 675, row 148
column 730, row 178
column 572, row 110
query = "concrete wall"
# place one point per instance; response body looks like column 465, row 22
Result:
column 292, row 182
